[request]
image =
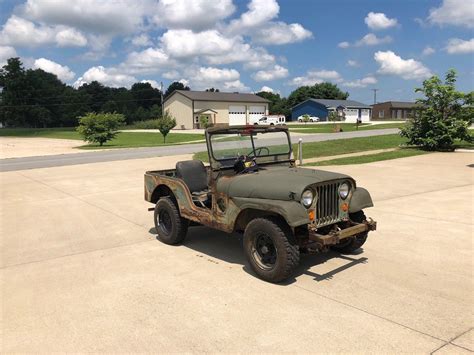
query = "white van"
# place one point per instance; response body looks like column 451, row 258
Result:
column 271, row 120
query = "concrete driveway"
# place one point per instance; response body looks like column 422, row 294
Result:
column 81, row 270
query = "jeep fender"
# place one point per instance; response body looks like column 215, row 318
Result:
column 292, row 211
column 360, row 199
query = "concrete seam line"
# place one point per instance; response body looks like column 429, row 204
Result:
column 424, row 192
column 451, row 342
column 372, row 314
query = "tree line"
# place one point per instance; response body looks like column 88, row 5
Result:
column 35, row 98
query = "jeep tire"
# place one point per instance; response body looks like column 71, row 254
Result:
column 169, row 224
column 270, row 249
column 350, row 245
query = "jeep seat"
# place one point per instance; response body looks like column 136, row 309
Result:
column 194, row 174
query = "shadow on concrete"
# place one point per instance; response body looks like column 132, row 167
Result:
column 228, row 248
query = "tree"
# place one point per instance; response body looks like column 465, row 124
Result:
column 176, row 86
column 166, row 124
column 277, row 105
column 100, row 127
column 145, row 95
column 212, row 90
column 305, row 118
column 317, row 91
column 204, row 121
column 443, row 115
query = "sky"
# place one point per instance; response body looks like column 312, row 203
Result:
column 245, row 45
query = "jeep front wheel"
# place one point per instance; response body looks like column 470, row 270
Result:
column 169, row 224
column 269, row 249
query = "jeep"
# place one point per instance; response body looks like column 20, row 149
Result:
column 253, row 186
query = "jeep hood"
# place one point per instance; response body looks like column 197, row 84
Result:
column 279, row 183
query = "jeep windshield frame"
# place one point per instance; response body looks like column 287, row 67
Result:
column 216, row 136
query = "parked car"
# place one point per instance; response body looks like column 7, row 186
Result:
column 272, row 120
column 310, row 119
column 253, row 186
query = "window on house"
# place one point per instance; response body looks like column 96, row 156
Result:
column 381, row 114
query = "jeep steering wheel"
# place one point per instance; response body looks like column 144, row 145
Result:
column 257, row 152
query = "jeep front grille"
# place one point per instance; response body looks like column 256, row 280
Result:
column 327, row 207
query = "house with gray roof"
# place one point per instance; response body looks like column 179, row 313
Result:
column 394, row 110
column 219, row 107
column 321, row 108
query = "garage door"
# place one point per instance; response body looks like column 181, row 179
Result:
column 237, row 115
column 255, row 113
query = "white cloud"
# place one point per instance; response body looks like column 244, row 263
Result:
column 279, row 33
column 277, row 72
column 215, row 74
column 70, row 37
column 107, row 76
column 256, row 22
column 236, row 85
column 6, row 52
column 142, row 40
column 100, row 17
column 259, row 13
column 361, row 83
column 21, row 32
column 352, row 63
column 316, row 77
column 460, row 46
column 153, row 83
column 150, row 60
column 195, row 15
column 253, row 58
column 266, row 89
column 62, row 72
column 372, row 40
column 428, row 51
column 344, row 44
column 392, row 64
column 453, row 12
column 186, row 43
column 379, row 21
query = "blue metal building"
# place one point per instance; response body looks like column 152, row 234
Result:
column 321, row 108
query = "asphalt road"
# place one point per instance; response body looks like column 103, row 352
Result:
column 139, row 153
column 81, row 270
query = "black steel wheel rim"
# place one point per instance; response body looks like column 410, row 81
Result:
column 164, row 222
column 264, row 251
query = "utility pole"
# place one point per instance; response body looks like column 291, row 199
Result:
column 375, row 95
column 162, row 108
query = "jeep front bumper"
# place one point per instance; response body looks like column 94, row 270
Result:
column 335, row 236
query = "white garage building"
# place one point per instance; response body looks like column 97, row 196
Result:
column 219, row 107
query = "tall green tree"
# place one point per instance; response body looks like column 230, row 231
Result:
column 317, row 91
column 444, row 115
column 100, row 127
column 175, row 86
column 277, row 105
column 145, row 95
column 14, row 106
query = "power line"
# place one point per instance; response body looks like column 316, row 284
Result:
column 75, row 103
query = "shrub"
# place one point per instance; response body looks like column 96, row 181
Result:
column 306, row 118
column 444, row 115
column 166, row 124
column 100, row 127
column 204, row 121
column 148, row 124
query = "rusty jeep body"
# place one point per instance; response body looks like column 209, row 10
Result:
column 253, row 186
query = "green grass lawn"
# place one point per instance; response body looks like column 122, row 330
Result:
column 339, row 146
column 370, row 158
column 60, row 133
column 123, row 139
column 346, row 127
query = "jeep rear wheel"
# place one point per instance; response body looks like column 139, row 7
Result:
column 269, row 249
column 349, row 245
column 169, row 225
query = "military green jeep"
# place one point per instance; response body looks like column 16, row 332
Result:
column 252, row 186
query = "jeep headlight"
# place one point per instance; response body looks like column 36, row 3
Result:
column 307, row 198
column 344, row 190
